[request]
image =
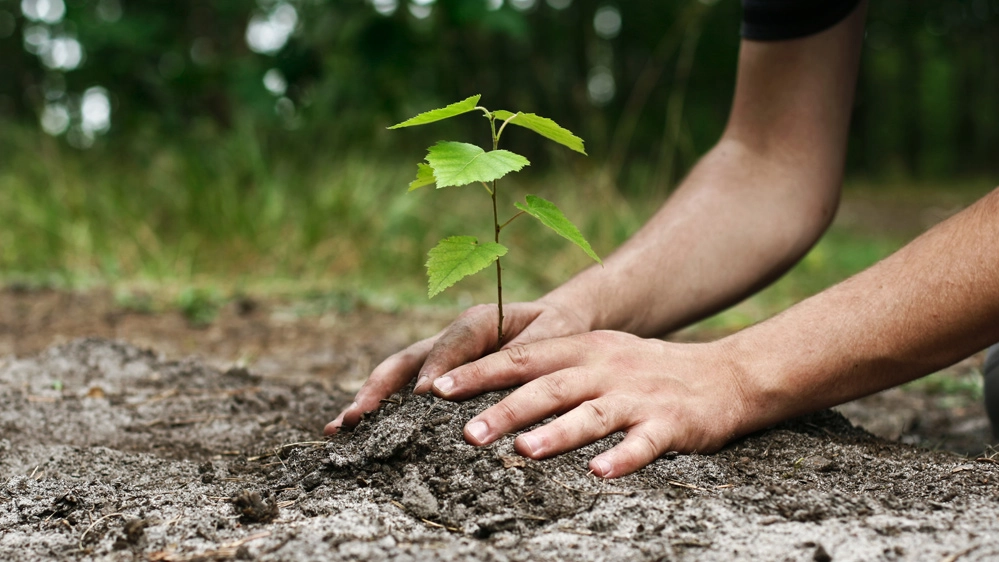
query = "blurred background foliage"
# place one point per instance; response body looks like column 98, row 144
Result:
column 244, row 139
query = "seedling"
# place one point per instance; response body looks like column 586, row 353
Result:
column 456, row 164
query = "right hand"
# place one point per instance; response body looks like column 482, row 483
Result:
column 470, row 337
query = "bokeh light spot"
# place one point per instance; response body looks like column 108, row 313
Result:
column 95, row 111
column 63, row 53
column 275, row 82
column 600, row 86
column 385, row 7
column 55, row 119
column 37, row 39
column 267, row 34
column 421, row 11
column 48, row 11
column 607, row 22
column 109, row 10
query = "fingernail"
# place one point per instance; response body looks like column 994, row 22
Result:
column 602, row 467
column 353, row 406
column 444, row 385
column 532, row 444
column 478, row 430
column 338, row 421
column 421, row 381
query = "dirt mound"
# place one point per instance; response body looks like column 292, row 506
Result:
column 108, row 452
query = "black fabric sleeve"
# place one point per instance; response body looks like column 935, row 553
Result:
column 775, row 20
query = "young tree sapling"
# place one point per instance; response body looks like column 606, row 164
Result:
column 456, row 163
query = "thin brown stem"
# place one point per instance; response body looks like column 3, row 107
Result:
column 499, row 275
column 499, row 268
column 502, row 226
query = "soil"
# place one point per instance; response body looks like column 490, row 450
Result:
column 117, row 451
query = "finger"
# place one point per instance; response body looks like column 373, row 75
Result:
column 584, row 424
column 643, row 444
column 387, row 378
column 531, row 403
column 510, row 367
column 469, row 337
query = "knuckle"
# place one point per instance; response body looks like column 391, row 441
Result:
column 475, row 313
column 519, row 357
column 472, row 373
column 601, row 416
column 602, row 337
column 506, row 414
column 555, row 387
column 645, row 447
column 558, row 435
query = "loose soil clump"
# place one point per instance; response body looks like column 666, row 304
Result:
column 109, row 452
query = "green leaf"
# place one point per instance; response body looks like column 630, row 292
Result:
column 552, row 217
column 457, row 257
column 424, row 176
column 452, row 110
column 544, row 127
column 459, row 163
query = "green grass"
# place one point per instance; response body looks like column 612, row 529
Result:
column 199, row 222
column 235, row 215
column 948, row 383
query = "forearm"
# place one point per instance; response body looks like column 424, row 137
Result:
column 929, row 305
column 737, row 222
column 751, row 207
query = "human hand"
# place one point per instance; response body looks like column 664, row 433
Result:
column 665, row 396
column 471, row 336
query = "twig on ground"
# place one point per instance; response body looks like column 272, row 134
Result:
column 584, row 532
column 228, row 550
column 687, row 486
column 156, row 398
column 277, row 450
column 959, row 554
column 180, row 423
column 92, row 525
column 430, row 409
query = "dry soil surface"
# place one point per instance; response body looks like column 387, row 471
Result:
column 111, row 452
column 115, row 451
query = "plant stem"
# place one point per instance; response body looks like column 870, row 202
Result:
column 499, row 274
column 496, row 230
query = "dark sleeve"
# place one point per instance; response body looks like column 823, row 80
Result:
column 775, row 20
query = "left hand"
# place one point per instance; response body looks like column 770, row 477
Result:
column 665, row 396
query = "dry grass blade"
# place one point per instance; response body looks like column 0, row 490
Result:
column 228, row 550
column 94, row 524
column 687, row 486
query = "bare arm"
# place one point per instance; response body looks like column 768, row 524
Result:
column 931, row 304
column 754, row 204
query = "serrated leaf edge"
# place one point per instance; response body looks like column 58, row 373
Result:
column 500, row 253
column 511, row 117
column 472, row 105
column 585, row 246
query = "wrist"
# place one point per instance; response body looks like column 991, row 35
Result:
column 762, row 399
column 576, row 307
